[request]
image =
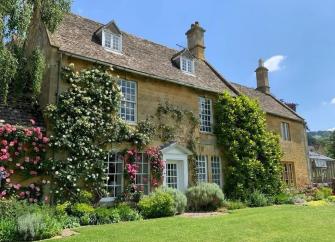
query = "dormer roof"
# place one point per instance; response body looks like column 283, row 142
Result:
column 111, row 26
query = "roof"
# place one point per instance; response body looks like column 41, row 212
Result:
column 317, row 156
column 20, row 113
column 75, row 35
column 268, row 102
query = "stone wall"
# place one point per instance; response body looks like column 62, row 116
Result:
column 294, row 150
column 151, row 92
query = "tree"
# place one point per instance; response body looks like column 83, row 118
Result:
column 252, row 153
column 331, row 145
column 15, row 17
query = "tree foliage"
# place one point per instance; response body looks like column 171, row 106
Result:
column 252, row 153
column 331, row 145
column 15, row 18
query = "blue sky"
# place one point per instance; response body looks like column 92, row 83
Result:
column 295, row 37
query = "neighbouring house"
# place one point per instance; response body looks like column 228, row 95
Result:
column 152, row 74
column 322, row 167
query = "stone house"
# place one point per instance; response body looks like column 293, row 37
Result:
column 152, row 74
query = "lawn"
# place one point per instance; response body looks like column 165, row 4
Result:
column 276, row 223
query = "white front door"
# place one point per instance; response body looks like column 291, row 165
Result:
column 171, row 175
column 176, row 166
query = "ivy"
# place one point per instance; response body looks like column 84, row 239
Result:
column 37, row 63
column 251, row 152
column 85, row 122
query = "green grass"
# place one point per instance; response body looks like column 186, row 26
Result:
column 276, row 223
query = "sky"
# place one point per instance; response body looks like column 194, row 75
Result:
column 296, row 39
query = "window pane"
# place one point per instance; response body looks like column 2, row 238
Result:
column 216, row 169
column 114, row 170
column 142, row 176
column 171, row 175
column 128, row 103
column 205, row 114
column 108, row 40
column 201, row 167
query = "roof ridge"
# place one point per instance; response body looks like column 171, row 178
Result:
column 272, row 96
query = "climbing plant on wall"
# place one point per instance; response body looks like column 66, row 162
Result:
column 252, row 153
column 178, row 124
column 22, row 154
column 84, row 122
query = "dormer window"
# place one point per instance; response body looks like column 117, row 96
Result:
column 186, row 65
column 111, row 41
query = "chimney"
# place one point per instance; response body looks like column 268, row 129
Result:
column 262, row 78
column 291, row 105
column 195, row 40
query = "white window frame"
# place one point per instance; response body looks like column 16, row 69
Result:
column 112, row 38
column 117, row 160
column 201, row 169
column 285, row 131
column 189, row 65
column 139, row 177
column 168, row 175
column 124, row 101
column 205, row 128
column 216, row 170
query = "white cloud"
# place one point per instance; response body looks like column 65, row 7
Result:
column 274, row 63
column 332, row 129
column 332, row 101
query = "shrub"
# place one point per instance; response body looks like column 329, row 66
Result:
column 323, row 193
column 282, row 198
column 107, row 215
column 232, row 205
column 85, row 197
column 205, row 197
column 331, row 199
column 257, row 199
column 68, row 222
column 7, row 229
column 127, row 213
column 85, row 213
column 81, row 209
column 63, row 208
column 157, row 204
column 180, row 199
column 37, row 226
column 318, row 203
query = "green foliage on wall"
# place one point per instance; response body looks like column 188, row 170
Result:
column 37, row 63
column 252, row 153
column 178, row 124
column 84, row 122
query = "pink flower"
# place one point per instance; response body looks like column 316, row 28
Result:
column 33, row 173
column 26, row 159
column 45, row 140
column 4, row 142
column 22, row 194
column 32, row 122
column 17, row 186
